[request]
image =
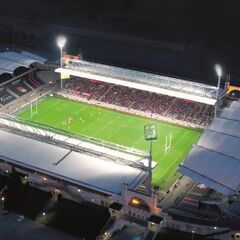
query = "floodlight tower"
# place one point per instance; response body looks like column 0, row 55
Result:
column 150, row 133
column 218, row 70
column 61, row 41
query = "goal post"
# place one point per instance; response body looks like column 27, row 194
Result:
column 34, row 108
column 168, row 143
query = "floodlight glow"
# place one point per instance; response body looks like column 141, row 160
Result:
column 61, row 41
column 218, row 70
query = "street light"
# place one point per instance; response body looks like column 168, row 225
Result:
column 150, row 133
column 61, row 41
column 193, row 234
column 3, row 199
column 218, row 70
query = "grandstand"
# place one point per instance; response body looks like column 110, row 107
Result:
column 171, row 109
column 5, row 96
column 144, row 81
column 57, row 162
column 19, row 70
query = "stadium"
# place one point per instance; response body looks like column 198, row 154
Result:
column 80, row 131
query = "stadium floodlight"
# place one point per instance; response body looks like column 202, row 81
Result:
column 61, row 41
column 150, row 132
column 193, row 234
column 218, row 70
column 3, row 199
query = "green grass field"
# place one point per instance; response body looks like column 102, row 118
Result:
column 120, row 128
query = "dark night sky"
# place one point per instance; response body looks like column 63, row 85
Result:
column 207, row 29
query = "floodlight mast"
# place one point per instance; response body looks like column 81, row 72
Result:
column 218, row 70
column 61, row 41
column 150, row 132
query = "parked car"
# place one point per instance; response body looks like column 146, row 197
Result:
column 20, row 218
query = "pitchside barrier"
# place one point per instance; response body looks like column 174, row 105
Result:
column 43, row 129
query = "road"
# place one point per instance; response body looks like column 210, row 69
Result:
column 11, row 229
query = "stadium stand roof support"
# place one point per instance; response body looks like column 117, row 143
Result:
column 215, row 160
column 144, row 81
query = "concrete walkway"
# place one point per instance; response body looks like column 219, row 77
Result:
column 177, row 194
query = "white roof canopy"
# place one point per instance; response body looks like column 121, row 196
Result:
column 75, row 167
column 215, row 160
column 144, row 81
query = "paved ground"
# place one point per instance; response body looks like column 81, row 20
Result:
column 185, row 197
column 11, row 229
column 177, row 194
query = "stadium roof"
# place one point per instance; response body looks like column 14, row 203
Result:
column 75, row 167
column 141, row 80
column 215, row 160
column 9, row 61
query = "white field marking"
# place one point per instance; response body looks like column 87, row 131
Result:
column 93, row 123
column 103, row 127
column 110, row 122
column 65, row 120
column 47, row 108
column 183, row 152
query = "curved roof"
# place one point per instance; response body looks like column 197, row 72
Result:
column 9, row 61
column 215, row 160
column 3, row 71
column 221, row 143
column 231, row 114
column 218, row 171
column 8, row 66
column 230, row 127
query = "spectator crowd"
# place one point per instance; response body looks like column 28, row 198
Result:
column 152, row 104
